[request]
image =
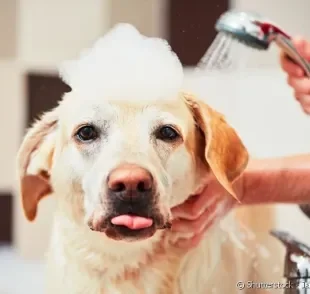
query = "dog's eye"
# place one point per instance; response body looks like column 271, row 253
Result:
column 167, row 133
column 87, row 133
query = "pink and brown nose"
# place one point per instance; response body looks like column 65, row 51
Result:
column 130, row 177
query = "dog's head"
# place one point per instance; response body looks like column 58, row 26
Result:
column 117, row 164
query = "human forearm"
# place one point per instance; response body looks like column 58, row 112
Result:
column 279, row 180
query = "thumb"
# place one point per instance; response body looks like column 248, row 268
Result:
column 303, row 47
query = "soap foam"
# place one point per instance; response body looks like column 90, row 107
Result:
column 124, row 64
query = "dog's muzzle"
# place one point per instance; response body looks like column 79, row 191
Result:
column 133, row 210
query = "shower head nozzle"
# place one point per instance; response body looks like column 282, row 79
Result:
column 243, row 27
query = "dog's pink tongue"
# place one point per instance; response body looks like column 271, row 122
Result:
column 132, row 222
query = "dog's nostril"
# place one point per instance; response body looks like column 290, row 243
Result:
column 142, row 186
column 118, row 187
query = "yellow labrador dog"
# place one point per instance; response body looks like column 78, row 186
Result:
column 121, row 149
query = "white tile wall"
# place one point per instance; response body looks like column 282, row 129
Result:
column 18, row 276
column 11, row 120
column 8, row 28
column 51, row 31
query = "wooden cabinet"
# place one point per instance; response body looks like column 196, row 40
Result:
column 43, row 93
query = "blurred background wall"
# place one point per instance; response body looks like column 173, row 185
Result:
column 37, row 35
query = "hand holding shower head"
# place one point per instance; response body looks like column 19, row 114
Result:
column 256, row 32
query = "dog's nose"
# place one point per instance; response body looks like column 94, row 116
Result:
column 130, row 177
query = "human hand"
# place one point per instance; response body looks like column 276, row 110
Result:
column 200, row 212
column 296, row 77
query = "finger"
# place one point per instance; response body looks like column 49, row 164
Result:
column 303, row 47
column 193, row 242
column 196, row 226
column 300, row 85
column 306, row 110
column 189, row 243
column 194, row 207
column 216, row 212
column 304, row 101
column 290, row 67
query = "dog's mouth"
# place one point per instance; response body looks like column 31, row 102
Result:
column 134, row 227
column 130, row 227
column 130, row 215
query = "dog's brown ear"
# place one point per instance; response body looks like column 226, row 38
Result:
column 224, row 151
column 34, row 161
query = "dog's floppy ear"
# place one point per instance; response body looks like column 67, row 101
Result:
column 34, row 161
column 224, row 151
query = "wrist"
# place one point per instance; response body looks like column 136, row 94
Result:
column 248, row 181
column 277, row 180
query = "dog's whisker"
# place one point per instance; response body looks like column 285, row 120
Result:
column 167, row 225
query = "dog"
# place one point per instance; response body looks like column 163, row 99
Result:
column 122, row 148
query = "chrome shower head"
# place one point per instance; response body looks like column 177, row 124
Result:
column 243, row 27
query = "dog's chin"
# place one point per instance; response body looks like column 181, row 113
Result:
column 124, row 233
